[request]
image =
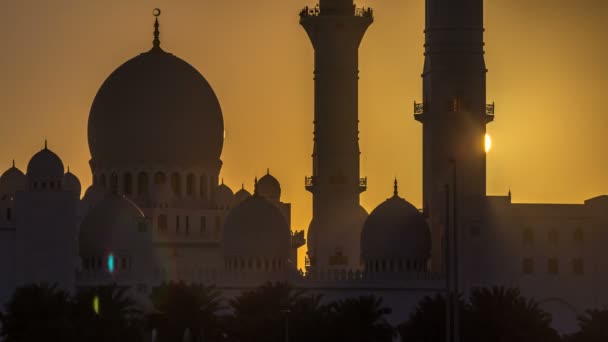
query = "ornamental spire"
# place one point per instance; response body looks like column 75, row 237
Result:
column 255, row 186
column 156, row 41
column 396, row 188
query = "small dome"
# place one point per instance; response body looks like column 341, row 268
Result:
column 12, row 181
column 45, row 165
column 116, row 225
column 223, row 195
column 240, row 196
column 397, row 231
column 71, row 183
column 256, row 229
column 94, row 194
column 269, row 187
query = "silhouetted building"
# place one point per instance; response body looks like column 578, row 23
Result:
column 157, row 210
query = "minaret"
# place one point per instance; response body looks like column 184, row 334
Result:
column 336, row 28
column 454, row 115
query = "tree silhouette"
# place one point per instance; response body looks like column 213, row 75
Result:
column 38, row 313
column 495, row 314
column 107, row 313
column 428, row 322
column 262, row 314
column 360, row 319
column 593, row 327
column 180, row 307
column 500, row 314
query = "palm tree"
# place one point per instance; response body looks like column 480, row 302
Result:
column 262, row 314
column 593, row 327
column 38, row 313
column 180, row 308
column 107, row 313
column 500, row 314
column 360, row 319
column 428, row 322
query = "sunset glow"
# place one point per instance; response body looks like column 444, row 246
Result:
column 488, row 143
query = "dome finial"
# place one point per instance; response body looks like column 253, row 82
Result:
column 156, row 41
column 46, row 144
column 268, row 171
column 242, row 186
column 396, row 188
column 222, row 180
column 13, row 163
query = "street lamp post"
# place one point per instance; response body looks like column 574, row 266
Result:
column 287, row 312
column 456, row 257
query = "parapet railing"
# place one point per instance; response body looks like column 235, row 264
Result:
column 316, row 11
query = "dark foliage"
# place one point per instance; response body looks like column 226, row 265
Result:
column 113, row 318
column 360, row 319
column 495, row 314
column 38, row 313
column 180, row 308
column 593, row 327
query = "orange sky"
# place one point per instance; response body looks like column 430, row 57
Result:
column 547, row 74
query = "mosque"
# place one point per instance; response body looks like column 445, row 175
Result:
column 157, row 210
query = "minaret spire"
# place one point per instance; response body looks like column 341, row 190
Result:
column 396, row 188
column 156, row 42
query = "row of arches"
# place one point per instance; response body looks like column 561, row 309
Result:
column 140, row 184
column 251, row 264
column 384, row 266
column 184, row 225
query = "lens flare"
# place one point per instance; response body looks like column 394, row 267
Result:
column 96, row 305
column 111, row 263
column 488, row 143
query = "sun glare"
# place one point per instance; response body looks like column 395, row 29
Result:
column 488, row 143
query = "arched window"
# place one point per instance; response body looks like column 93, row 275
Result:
column 203, row 225
column 528, row 236
column 553, row 235
column 203, row 186
column 114, row 183
column 161, row 223
column 9, row 214
column 142, row 184
column 218, row 224
column 579, row 236
column 160, row 178
column 187, row 232
column 128, row 184
column 190, row 185
column 177, row 225
column 176, row 184
column 102, row 180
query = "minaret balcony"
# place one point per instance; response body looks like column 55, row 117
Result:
column 316, row 11
column 363, row 184
column 309, row 183
column 490, row 110
column 418, row 111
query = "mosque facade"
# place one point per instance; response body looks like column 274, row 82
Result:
column 158, row 211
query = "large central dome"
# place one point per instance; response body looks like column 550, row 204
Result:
column 155, row 109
